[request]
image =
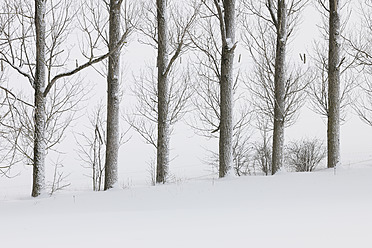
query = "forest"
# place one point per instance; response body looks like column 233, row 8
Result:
column 224, row 68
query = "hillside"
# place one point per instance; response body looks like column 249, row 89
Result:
column 317, row 209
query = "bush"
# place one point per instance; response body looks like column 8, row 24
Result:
column 305, row 154
column 262, row 157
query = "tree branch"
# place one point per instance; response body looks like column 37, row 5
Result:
column 87, row 64
column 222, row 22
column 28, row 76
column 269, row 6
column 15, row 97
column 323, row 5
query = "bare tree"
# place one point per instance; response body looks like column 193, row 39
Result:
column 162, row 64
column 219, row 65
column 39, row 87
column 207, row 69
column 226, row 16
column 34, row 40
column 318, row 89
column 105, row 24
column 92, row 146
column 113, row 94
column 279, row 82
column 276, row 91
column 162, row 96
column 334, row 64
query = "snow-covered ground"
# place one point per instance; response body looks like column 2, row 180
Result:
column 317, row 209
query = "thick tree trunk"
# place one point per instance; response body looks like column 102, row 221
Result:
column 333, row 131
column 163, row 94
column 226, row 89
column 113, row 94
column 38, row 185
column 279, row 81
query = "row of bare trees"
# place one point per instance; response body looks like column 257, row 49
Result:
column 33, row 44
column 34, row 38
column 278, row 88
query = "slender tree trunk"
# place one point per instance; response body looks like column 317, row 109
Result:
column 113, row 95
column 38, row 185
column 279, row 81
column 333, row 132
column 163, row 94
column 226, row 89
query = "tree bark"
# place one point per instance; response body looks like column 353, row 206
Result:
column 279, row 82
column 38, row 185
column 333, row 131
column 226, row 88
column 113, row 95
column 163, row 94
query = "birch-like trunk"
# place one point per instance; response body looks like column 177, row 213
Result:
column 113, row 94
column 163, row 94
column 38, row 185
column 226, row 89
column 279, row 81
column 333, row 131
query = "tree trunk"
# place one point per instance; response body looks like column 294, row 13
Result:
column 38, row 185
column 333, row 131
column 226, row 89
column 279, row 81
column 113, row 94
column 163, row 94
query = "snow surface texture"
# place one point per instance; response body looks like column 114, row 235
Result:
column 317, row 209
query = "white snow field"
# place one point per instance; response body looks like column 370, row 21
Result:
column 318, row 209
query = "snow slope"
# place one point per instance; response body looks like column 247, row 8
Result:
column 317, row 209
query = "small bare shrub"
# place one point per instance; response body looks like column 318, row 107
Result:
column 305, row 154
column 262, row 157
column 92, row 147
column 59, row 179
